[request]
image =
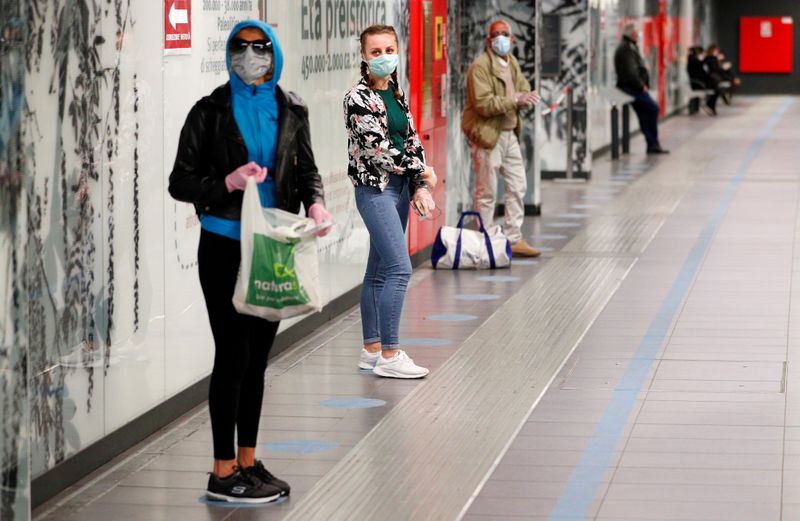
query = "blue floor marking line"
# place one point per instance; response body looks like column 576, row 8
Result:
column 301, row 446
column 498, row 278
column 431, row 342
column 579, row 492
column 549, row 237
column 235, row 505
column 353, row 403
column 524, row 262
column 455, row 317
column 477, row 297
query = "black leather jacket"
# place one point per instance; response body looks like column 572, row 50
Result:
column 632, row 75
column 699, row 77
column 714, row 68
column 211, row 146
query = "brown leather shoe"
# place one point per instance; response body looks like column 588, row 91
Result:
column 523, row 249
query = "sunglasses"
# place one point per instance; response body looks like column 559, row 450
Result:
column 259, row 46
column 433, row 215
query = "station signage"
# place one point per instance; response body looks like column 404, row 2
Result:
column 177, row 26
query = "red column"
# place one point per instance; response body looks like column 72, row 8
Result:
column 661, row 31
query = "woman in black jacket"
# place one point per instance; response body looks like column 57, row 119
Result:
column 247, row 127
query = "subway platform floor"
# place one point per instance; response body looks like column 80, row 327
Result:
column 644, row 368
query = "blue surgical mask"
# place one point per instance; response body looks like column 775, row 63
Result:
column 384, row 65
column 501, row 45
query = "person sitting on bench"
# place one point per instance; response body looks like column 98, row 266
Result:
column 728, row 75
column 701, row 80
column 713, row 64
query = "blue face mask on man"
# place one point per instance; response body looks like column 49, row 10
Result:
column 501, row 45
column 384, row 65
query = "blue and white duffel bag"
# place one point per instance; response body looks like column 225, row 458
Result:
column 460, row 249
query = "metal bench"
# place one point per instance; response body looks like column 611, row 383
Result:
column 700, row 91
column 697, row 95
column 616, row 98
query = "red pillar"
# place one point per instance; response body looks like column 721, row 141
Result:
column 661, row 31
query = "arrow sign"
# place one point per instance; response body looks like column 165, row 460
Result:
column 177, row 26
column 178, row 16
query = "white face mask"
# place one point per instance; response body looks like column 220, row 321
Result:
column 250, row 66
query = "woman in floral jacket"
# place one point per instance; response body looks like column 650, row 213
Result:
column 387, row 167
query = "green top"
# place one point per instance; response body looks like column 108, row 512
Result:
column 398, row 122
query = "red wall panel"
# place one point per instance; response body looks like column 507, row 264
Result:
column 428, row 37
column 765, row 44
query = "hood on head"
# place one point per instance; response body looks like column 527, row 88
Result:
column 277, row 53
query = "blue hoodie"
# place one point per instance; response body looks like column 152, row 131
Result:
column 12, row 85
column 255, row 110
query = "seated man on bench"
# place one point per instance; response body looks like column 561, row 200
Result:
column 634, row 80
column 713, row 63
column 729, row 78
column 701, row 80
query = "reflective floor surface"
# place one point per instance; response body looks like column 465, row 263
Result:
column 644, row 368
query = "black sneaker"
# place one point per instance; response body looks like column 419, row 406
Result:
column 260, row 471
column 241, row 487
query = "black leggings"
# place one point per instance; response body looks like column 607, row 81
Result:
column 241, row 344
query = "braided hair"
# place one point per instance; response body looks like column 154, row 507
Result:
column 369, row 31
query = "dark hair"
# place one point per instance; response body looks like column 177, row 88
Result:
column 713, row 47
column 369, row 31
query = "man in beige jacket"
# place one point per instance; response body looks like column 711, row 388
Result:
column 496, row 92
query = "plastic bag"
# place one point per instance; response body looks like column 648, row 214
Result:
column 279, row 273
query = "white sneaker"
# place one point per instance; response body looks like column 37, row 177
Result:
column 367, row 360
column 399, row 366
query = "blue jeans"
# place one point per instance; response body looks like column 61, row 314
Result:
column 647, row 110
column 389, row 266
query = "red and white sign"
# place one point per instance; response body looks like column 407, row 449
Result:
column 766, row 44
column 177, row 26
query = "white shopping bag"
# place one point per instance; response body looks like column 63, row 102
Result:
column 279, row 273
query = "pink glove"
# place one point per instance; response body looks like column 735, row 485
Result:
column 320, row 214
column 423, row 202
column 237, row 180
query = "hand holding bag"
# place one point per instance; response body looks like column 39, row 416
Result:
column 279, row 274
column 457, row 248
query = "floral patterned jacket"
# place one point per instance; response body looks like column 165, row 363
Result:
column 372, row 155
